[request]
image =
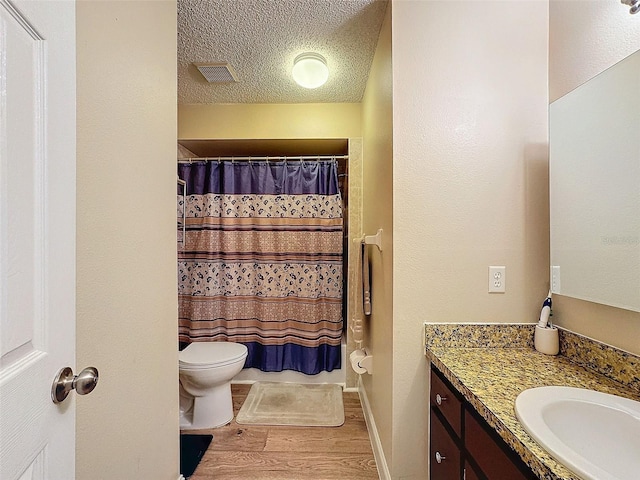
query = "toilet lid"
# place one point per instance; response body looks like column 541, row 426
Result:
column 201, row 354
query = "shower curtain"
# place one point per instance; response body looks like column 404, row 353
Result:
column 261, row 261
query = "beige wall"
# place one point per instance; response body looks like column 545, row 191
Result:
column 583, row 42
column 126, row 239
column 585, row 38
column 377, row 116
column 470, row 183
column 240, row 121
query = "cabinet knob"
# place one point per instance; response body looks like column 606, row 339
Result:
column 440, row 399
column 439, row 457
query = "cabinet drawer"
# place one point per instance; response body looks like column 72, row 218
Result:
column 443, row 398
column 443, row 447
column 494, row 462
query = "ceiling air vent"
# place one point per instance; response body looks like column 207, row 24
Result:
column 217, row 72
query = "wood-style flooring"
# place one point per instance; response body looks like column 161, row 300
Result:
column 247, row 452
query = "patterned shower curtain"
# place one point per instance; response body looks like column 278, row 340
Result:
column 261, row 261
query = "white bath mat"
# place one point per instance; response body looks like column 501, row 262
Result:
column 293, row 404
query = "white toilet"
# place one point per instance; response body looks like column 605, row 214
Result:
column 206, row 370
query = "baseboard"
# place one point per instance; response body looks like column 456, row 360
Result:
column 376, row 445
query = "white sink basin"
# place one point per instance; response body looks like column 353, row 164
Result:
column 594, row 434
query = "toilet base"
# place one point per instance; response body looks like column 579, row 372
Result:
column 210, row 411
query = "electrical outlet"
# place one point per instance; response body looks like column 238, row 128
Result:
column 497, row 279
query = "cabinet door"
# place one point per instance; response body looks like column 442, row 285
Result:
column 487, row 453
column 469, row 473
column 444, row 453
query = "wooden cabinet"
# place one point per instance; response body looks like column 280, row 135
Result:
column 462, row 446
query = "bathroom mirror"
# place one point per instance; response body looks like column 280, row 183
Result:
column 594, row 175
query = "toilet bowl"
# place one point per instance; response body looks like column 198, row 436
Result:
column 206, row 370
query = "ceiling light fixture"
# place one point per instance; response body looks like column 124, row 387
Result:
column 310, row 70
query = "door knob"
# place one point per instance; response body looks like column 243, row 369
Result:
column 66, row 381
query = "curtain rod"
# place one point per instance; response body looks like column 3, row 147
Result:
column 275, row 158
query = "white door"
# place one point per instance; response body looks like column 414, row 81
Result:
column 37, row 236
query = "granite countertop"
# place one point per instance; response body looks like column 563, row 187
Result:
column 491, row 377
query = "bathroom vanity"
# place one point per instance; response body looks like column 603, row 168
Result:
column 478, row 370
column 462, row 445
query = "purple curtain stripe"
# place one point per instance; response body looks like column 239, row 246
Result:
column 265, row 178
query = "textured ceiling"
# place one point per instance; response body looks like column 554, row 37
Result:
column 260, row 39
